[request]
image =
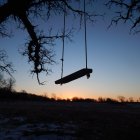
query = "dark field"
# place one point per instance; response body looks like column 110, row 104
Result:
column 69, row 120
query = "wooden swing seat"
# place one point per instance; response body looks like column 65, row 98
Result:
column 74, row 76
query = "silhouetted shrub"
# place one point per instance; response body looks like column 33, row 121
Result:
column 101, row 99
column 109, row 100
column 121, row 99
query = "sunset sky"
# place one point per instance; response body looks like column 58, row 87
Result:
column 113, row 54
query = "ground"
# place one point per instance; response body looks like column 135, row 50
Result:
column 29, row 120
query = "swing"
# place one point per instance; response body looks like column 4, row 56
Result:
column 74, row 76
column 80, row 73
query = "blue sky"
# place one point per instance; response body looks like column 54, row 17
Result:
column 113, row 54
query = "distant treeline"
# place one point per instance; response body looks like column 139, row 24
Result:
column 8, row 95
column 7, row 92
column 13, row 96
column 121, row 99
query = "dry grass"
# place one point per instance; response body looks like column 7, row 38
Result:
column 92, row 120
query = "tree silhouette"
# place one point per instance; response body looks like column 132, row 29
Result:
column 121, row 99
column 5, row 66
column 2, row 81
column 24, row 13
column 10, row 84
column 127, row 10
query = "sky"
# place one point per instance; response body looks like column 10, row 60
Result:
column 113, row 54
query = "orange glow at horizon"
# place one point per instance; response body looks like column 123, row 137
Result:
column 69, row 94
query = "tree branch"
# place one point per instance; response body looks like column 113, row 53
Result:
column 130, row 11
column 5, row 66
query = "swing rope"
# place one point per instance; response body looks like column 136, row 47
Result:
column 63, row 39
column 85, row 33
column 82, row 72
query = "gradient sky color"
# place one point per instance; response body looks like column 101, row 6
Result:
column 113, row 54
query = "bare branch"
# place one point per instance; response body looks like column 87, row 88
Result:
column 5, row 66
column 130, row 11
